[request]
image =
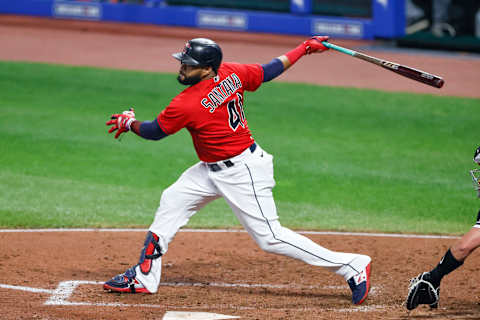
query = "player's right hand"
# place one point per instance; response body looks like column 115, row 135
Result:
column 315, row 44
column 121, row 122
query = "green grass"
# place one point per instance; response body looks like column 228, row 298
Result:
column 345, row 159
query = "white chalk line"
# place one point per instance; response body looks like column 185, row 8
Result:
column 61, row 295
column 28, row 289
column 65, row 288
column 333, row 233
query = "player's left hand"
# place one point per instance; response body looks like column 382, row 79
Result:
column 315, row 44
column 476, row 156
column 121, row 122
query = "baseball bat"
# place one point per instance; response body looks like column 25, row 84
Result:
column 415, row 74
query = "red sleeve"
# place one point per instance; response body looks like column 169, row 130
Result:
column 251, row 75
column 173, row 117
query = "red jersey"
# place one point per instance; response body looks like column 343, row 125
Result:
column 212, row 111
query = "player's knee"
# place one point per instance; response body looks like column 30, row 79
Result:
column 263, row 245
column 267, row 247
column 168, row 197
column 461, row 250
column 268, row 244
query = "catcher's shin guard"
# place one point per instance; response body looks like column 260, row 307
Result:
column 151, row 250
column 422, row 291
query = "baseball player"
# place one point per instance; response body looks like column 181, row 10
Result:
column 425, row 288
column 232, row 165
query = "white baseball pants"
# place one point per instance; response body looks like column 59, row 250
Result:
column 247, row 188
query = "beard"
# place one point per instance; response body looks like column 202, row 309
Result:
column 189, row 81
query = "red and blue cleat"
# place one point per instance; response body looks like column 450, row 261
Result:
column 125, row 282
column 360, row 285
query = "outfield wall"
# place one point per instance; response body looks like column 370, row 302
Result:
column 387, row 21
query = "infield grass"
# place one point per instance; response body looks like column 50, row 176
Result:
column 345, row 159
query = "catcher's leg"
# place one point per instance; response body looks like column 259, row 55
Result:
column 425, row 288
column 250, row 197
column 178, row 204
column 468, row 243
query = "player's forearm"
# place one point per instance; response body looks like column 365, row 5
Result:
column 291, row 57
column 135, row 127
column 278, row 65
column 148, row 129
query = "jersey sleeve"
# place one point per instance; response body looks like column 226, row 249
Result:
column 251, row 75
column 174, row 117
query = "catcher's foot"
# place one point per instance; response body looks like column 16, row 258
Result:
column 125, row 282
column 422, row 291
column 360, row 285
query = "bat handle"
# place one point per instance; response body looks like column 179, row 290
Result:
column 338, row 48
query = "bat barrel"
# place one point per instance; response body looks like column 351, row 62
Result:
column 414, row 74
column 418, row 75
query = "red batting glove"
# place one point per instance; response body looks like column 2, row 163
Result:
column 121, row 122
column 315, row 44
column 311, row 45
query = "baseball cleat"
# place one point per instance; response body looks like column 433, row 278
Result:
column 125, row 282
column 422, row 291
column 360, row 285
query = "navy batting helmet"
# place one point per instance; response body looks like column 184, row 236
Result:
column 200, row 52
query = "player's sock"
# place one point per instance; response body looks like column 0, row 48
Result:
column 447, row 264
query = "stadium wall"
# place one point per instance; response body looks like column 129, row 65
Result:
column 388, row 20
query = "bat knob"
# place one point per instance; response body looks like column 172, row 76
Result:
column 439, row 83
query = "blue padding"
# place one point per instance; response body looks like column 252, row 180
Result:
column 389, row 18
column 212, row 18
column 151, row 130
column 272, row 69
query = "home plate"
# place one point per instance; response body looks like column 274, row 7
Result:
column 178, row 315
